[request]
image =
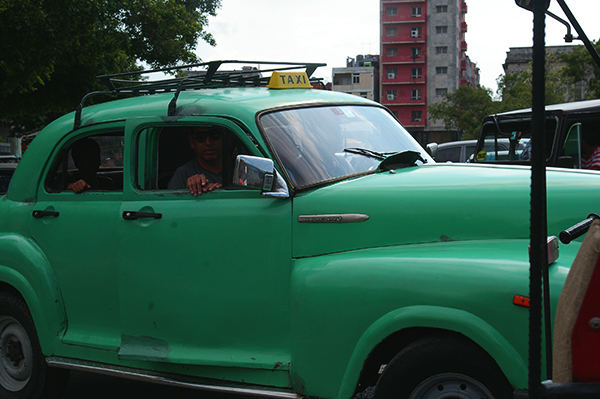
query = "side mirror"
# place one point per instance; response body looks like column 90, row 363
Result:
column 432, row 150
column 528, row 4
column 254, row 172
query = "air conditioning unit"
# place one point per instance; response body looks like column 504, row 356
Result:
column 414, row 33
column 417, row 119
column 391, row 76
column 390, row 97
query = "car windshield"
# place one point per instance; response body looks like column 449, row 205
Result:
column 319, row 144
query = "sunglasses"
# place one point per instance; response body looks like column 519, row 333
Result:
column 201, row 136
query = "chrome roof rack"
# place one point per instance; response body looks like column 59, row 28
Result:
column 251, row 74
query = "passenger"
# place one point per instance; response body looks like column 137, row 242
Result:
column 590, row 151
column 203, row 173
column 86, row 157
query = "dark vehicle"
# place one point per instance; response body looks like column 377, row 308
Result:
column 565, row 127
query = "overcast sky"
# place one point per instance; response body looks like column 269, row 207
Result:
column 331, row 30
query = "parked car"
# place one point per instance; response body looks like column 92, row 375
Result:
column 336, row 256
column 566, row 125
column 455, row 151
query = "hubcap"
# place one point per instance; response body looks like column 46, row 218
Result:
column 16, row 355
column 451, row 386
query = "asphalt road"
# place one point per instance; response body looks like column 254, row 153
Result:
column 94, row 386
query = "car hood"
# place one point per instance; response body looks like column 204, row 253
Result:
column 435, row 203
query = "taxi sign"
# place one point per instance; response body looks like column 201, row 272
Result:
column 289, row 80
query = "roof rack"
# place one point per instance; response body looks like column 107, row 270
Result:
column 210, row 77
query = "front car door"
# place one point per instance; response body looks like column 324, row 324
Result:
column 205, row 280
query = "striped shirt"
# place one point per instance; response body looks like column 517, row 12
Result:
column 592, row 162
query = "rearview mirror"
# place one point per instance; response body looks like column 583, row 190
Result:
column 528, row 4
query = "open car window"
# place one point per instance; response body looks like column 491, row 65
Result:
column 162, row 150
column 97, row 159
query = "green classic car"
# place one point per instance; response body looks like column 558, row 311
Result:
column 332, row 254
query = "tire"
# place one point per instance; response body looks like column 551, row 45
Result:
column 439, row 367
column 23, row 370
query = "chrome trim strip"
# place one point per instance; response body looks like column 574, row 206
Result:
column 150, row 376
column 334, row 218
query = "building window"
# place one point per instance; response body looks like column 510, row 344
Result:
column 415, row 32
column 391, row 94
column 441, row 92
column 416, row 116
column 391, row 31
column 391, row 73
column 356, row 78
column 415, row 52
column 415, row 94
column 395, row 113
column 441, row 70
column 415, row 12
column 440, row 9
column 391, row 11
column 441, row 30
column 441, row 50
column 391, row 52
column 415, row 73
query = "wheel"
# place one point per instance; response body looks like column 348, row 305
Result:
column 441, row 368
column 23, row 370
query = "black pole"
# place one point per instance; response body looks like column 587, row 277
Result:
column 538, row 229
column 582, row 36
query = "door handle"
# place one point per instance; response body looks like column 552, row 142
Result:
column 130, row 215
column 42, row 214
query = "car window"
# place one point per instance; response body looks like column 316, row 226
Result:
column 509, row 140
column 449, row 154
column 162, row 150
column 97, row 159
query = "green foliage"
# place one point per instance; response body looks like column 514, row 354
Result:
column 464, row 109
column 515, row 88
column 52, row 50
column 581, row 71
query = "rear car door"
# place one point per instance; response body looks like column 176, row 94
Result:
column 77, row 233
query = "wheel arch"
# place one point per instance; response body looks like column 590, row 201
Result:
column 24, row 271
column 397, row 329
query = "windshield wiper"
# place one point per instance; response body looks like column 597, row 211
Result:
column 380, row 156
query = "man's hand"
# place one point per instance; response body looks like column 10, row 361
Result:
column 199, row 184
column 78, row 186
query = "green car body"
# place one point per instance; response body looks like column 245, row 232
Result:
column 277, row 294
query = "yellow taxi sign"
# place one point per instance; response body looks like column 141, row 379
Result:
column 289, row 80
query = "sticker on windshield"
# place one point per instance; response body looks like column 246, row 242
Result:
column 343, row 111
column 481, row 155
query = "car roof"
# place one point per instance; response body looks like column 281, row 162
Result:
column 457, row 143
column 576, row 106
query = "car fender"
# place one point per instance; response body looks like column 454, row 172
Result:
column 440, row 318
column 25, row 268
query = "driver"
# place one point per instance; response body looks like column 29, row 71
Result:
column 204, row 172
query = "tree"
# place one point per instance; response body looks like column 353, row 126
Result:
column 52, row 50
column 581, row 71
column 464, row 109
column 515, row 88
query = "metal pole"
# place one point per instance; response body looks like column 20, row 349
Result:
column 538, row 230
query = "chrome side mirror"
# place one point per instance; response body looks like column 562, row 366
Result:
column 259, row 174
column 432, row 150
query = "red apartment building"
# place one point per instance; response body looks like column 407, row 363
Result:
column 423, row 57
